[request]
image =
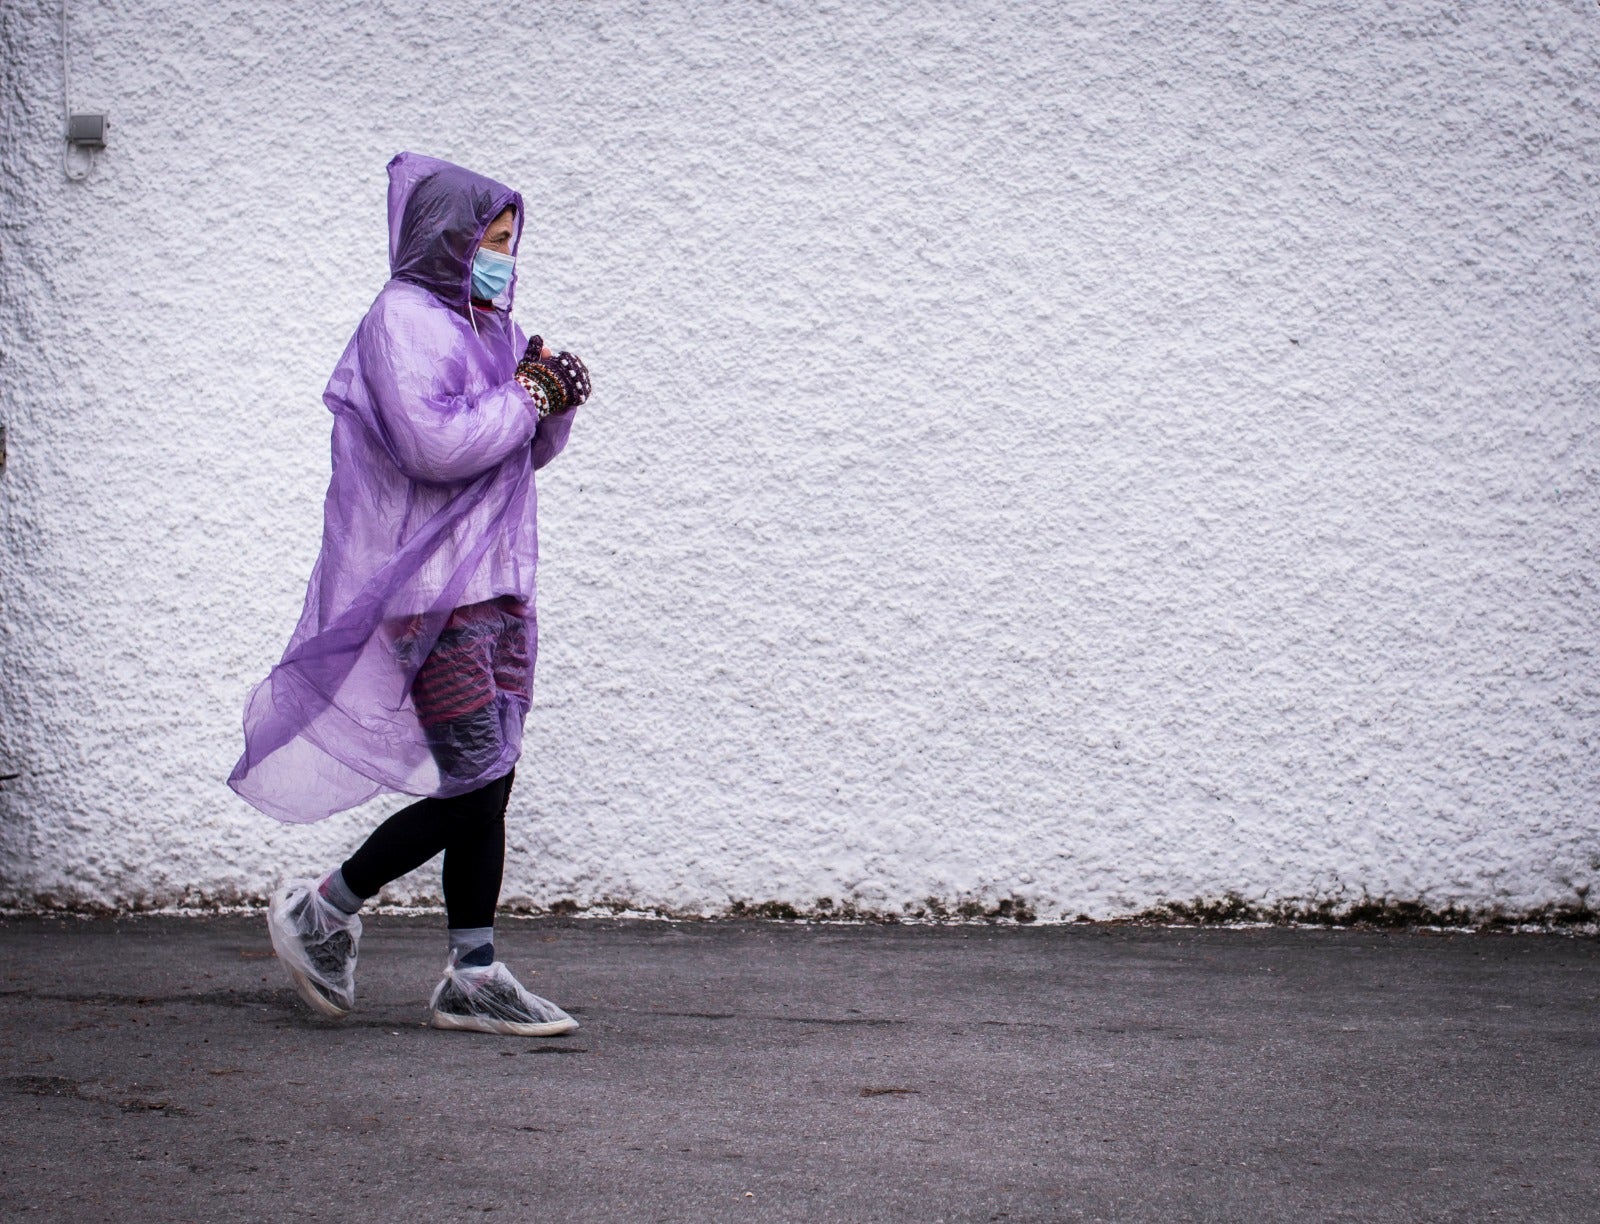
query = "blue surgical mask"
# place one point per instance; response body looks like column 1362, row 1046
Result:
column 491, row 274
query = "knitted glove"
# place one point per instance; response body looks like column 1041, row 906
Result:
column 557, row 384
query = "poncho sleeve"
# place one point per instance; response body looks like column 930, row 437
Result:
column 552, row 437
column 415, row 369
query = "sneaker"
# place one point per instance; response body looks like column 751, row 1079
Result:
column 316, row 941
column 490, row 1000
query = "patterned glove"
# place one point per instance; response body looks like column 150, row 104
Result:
column 557, row 384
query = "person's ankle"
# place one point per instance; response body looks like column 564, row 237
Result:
column 338, row 894
column 472, row 947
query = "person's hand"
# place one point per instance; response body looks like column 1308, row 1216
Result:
column 574, row 376
column 559, row 381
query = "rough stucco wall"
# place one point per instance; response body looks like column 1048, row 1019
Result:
column 1097, row 453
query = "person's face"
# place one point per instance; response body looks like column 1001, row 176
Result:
column 498, row 236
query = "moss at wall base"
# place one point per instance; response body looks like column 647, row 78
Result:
column 1230, row 909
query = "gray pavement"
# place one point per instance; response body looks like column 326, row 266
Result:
column 162, row 1069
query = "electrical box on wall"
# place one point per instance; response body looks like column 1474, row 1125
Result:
column 87, row 130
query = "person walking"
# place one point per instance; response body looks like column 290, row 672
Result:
column 411, row 668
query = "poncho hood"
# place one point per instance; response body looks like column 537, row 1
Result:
column 438, row 213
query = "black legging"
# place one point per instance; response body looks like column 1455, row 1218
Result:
column 469, row 828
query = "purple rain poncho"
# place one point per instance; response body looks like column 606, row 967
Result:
column 430, row 509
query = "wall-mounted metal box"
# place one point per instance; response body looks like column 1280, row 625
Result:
column 87, row 130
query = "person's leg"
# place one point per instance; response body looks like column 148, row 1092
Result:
column 413, row 835
column 474, row 861
column 404, row 842
column 478, row 993
column 314, row 925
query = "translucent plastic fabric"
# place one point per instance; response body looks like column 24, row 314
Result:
column 490, row 1000
column 317, row 943
column 430, row 509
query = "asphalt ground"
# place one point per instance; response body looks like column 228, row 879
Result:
column 161, row 1068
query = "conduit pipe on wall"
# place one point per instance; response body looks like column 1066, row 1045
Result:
column 85, row 131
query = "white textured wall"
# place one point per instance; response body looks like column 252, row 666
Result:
column 1104, row 453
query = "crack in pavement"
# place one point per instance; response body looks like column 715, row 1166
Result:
column 61, row 1086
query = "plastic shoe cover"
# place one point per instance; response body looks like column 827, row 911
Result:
column 490, row 1000
column 316, row 941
